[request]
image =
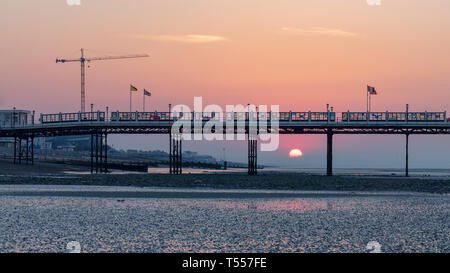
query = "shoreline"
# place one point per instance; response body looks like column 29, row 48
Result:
column 55, row 174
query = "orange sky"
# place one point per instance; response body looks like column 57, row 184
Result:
column 298, row 54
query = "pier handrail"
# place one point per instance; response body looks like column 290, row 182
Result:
column 329, row 117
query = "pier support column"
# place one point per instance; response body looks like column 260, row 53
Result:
column 96, row 153
column 20, row 151
column 92, row 153
column 329, row 153
column 32, row 150
column 15, row 150
column 406, row 158
column 23, row 150
column 105, row 165
column 252, row 154
column 27, row 150
column 175, row 154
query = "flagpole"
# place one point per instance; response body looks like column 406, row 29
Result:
column 143, row 101
column 130, row 100
column 367, row 105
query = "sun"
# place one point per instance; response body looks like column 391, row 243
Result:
column 295, row 153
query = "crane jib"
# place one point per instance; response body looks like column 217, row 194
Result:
column 82, row 60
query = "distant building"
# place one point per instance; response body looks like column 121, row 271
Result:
column 11, row 118
column 66, row 148
column 43, row 143
column 7, row 142
column 67, row 143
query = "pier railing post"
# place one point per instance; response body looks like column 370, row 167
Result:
column 101, row 153
column 15, row 149
column 96, row 153
column 27, row 149
column 20, row 151
column 170, row 152
column 32, row 150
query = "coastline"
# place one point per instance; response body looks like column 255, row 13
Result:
column 56, row 174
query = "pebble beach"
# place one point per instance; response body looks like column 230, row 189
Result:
column 39, row 218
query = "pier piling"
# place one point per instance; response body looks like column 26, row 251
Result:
column 329, row 153
column 406, row 158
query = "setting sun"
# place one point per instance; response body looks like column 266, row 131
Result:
column 295, row 153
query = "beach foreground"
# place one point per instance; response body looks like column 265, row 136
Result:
column 271, row 181
column 131, row 219
column 230, row 212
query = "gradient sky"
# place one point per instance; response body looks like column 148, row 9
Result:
column 300, row 54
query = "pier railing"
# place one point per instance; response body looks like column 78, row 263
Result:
column 73, row 117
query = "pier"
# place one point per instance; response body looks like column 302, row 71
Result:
column 99, row 125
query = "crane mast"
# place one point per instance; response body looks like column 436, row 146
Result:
column 83, row 61
column 83, row 86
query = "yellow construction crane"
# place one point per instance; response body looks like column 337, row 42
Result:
column 83, row 60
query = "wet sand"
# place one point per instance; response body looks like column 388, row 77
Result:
column 114, row 219
column 60, row 174
column 273, row 181
column 43, row 208
column 39, row 168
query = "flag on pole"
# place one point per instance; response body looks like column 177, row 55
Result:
column 371, row 90
column 132, row 88
column 147, row 93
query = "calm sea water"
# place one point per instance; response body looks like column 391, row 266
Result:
column 313, row 223
column 384, row 172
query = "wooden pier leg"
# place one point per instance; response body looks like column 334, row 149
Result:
column 106, row 154
column 329, row 153
column 27, row 150
column 406, row 159
column 96, row 153
column 20, row 151
column 92, row 153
